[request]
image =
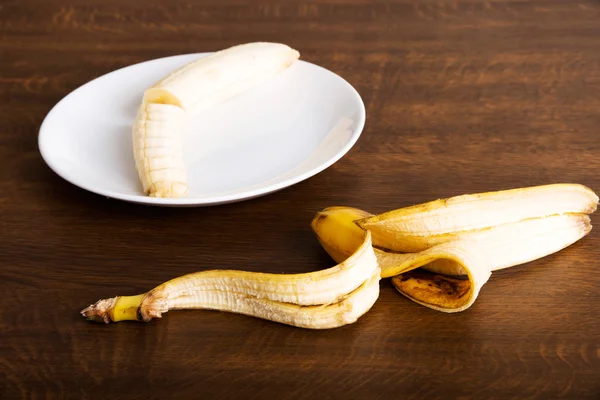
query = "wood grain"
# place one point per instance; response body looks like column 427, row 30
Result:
column 462, row 96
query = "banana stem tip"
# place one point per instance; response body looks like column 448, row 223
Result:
column 100, row 310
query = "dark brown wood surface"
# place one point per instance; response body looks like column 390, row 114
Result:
column 462, row 96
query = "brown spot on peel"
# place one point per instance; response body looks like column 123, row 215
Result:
column 436, row 289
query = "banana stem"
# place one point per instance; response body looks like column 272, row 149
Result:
column 115, row 309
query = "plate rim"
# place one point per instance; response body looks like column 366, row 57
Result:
column 357, row 131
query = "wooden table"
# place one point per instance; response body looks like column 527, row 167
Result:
column 462, row 96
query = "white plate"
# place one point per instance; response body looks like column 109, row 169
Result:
column 264, row 140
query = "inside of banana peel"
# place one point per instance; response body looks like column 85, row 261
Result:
column 450, row 292
column 446, row 277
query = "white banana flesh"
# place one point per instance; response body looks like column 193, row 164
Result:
column 158, row 150
column 221, row 75
column 206, row 82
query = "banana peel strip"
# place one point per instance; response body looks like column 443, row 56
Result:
column 419, row 227
column 351, row 288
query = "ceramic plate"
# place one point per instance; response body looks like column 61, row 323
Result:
column 266, row 139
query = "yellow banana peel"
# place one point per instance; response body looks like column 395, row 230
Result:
column 323, row 299
column 500, row 230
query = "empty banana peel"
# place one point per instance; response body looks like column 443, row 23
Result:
column 501, row 230
column 449, row 264
column 328, row 298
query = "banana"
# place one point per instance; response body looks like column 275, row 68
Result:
column 221, row 75
column 324, row 299
column 469, row 254
column 158, row 150
column 198, row 85
column 421, row 226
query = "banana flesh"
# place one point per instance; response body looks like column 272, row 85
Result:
column 158, row 150
column 421, row 226
column 162, row 116
column 324, row 299
column 221, row 75
column 452, row 270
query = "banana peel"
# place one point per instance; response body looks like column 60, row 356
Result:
column 324, row 299
column 449, row 265
column 436, row 261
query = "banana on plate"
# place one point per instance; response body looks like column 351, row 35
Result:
column 198, row 85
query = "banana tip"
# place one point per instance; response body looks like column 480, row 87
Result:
column 99, row 311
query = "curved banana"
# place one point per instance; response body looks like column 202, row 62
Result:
column 212, row 79
column 221, row 75
column 323, row 299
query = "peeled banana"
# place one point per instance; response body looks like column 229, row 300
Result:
column 324, row 299
column 458, row 260
column 210, row 80
column 158, row 150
